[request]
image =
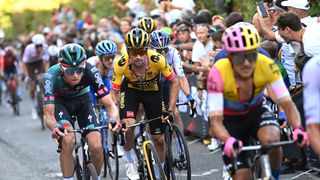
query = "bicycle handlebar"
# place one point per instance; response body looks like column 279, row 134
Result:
column 84, row 130
column 192, row 111
column 143, row 122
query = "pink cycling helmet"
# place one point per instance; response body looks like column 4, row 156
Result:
column 241, row 37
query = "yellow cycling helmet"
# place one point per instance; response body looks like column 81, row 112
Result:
column 137, row 39
column 147, row 24
column 241, row 37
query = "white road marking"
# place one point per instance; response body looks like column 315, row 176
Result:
column 194, row 141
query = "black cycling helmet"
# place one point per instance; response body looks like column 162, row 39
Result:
column 72, row 54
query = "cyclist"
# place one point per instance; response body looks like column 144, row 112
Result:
column 147, row 24
column 311, row 101
column 235, row 86
column 35, row 57
column 160, row 41
column 140, row 68
column 10, row 70
column 53, row 51
column 106, row 52
column 67, row 94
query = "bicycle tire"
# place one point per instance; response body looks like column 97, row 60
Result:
column 180, row 154
column 40, row 110
column 140, row 159
column 78, row 170
column 91, row 173
column 153, row 162
column 112, row 159
column 168, row 168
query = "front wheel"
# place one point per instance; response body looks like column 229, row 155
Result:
column 155, row 170
column 91, row 172
column 40, row 110
column 111, row 158
column 180, row 155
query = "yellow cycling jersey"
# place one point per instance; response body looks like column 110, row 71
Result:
column 222, row 80
column 156, row 64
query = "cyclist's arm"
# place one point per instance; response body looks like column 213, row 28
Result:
column 49, row 100
column 169, row 74
column 1, row 67
column 282, row 94
column 108, row 102
column 49, row 118
column 215, row 99
column 184, row 85
column 311, row 102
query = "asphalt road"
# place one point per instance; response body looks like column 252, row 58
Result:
column 27, row 152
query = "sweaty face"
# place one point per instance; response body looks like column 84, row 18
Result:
column 243, row 63
column 72, row 75
column 137, row 57
column 107, row 60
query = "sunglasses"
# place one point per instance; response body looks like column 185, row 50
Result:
column 71, row 71
column 39, row 46
column 240, row 58
column 139, row 52
column 165, row 50
column 107, row 58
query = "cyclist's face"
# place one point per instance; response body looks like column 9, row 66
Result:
column 38, row 49
column 243, row 63
column 137, row 57
column 107, row 60
column 72, row 75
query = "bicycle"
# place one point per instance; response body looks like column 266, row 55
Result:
column 177, row 152
column 84, row 169
column 109, row 142
column 39, row 97
column 260, row 167
column 12, row 86
column 149, row 163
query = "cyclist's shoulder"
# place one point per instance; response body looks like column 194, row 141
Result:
column 121, row 63
column 155, row 59
column 54, row 70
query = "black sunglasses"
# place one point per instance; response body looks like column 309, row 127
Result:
column 240, row 58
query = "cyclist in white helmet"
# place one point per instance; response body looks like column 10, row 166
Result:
column 35, row 58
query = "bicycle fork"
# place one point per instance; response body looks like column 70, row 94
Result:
column 266, row 172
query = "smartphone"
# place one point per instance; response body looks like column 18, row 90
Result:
column 262, row 9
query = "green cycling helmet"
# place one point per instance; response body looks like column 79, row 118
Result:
column 72, row 54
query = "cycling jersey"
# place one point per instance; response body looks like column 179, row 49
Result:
column 311, row 90
column 30, row 55
column 106, row 80
column 223, row 88
column 155, row 65
column 54, row 85
column 174, row 59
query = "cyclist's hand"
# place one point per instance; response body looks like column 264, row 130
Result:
column 167, row 115
column 115, row 125
column 229, row 145
column 300, row 132
column 192, row 103
column 60, row 129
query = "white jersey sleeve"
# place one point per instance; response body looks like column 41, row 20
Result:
column 311, row 91
column 177, row 63
column 93, row 60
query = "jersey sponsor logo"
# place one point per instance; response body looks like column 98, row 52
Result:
column 60, row 114
column 130, row 114
column 122, row 100
column 122, row 62
column 47, row 75
column 47, row 87
column 102, row 91
column 274, row 68
column 99, row 80
column 155, row 58
column 94, row 69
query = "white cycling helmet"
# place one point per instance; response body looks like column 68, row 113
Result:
column 38, row 39
column 53, row 50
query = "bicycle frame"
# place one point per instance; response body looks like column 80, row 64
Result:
column 146, row 141
column 261, row 159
